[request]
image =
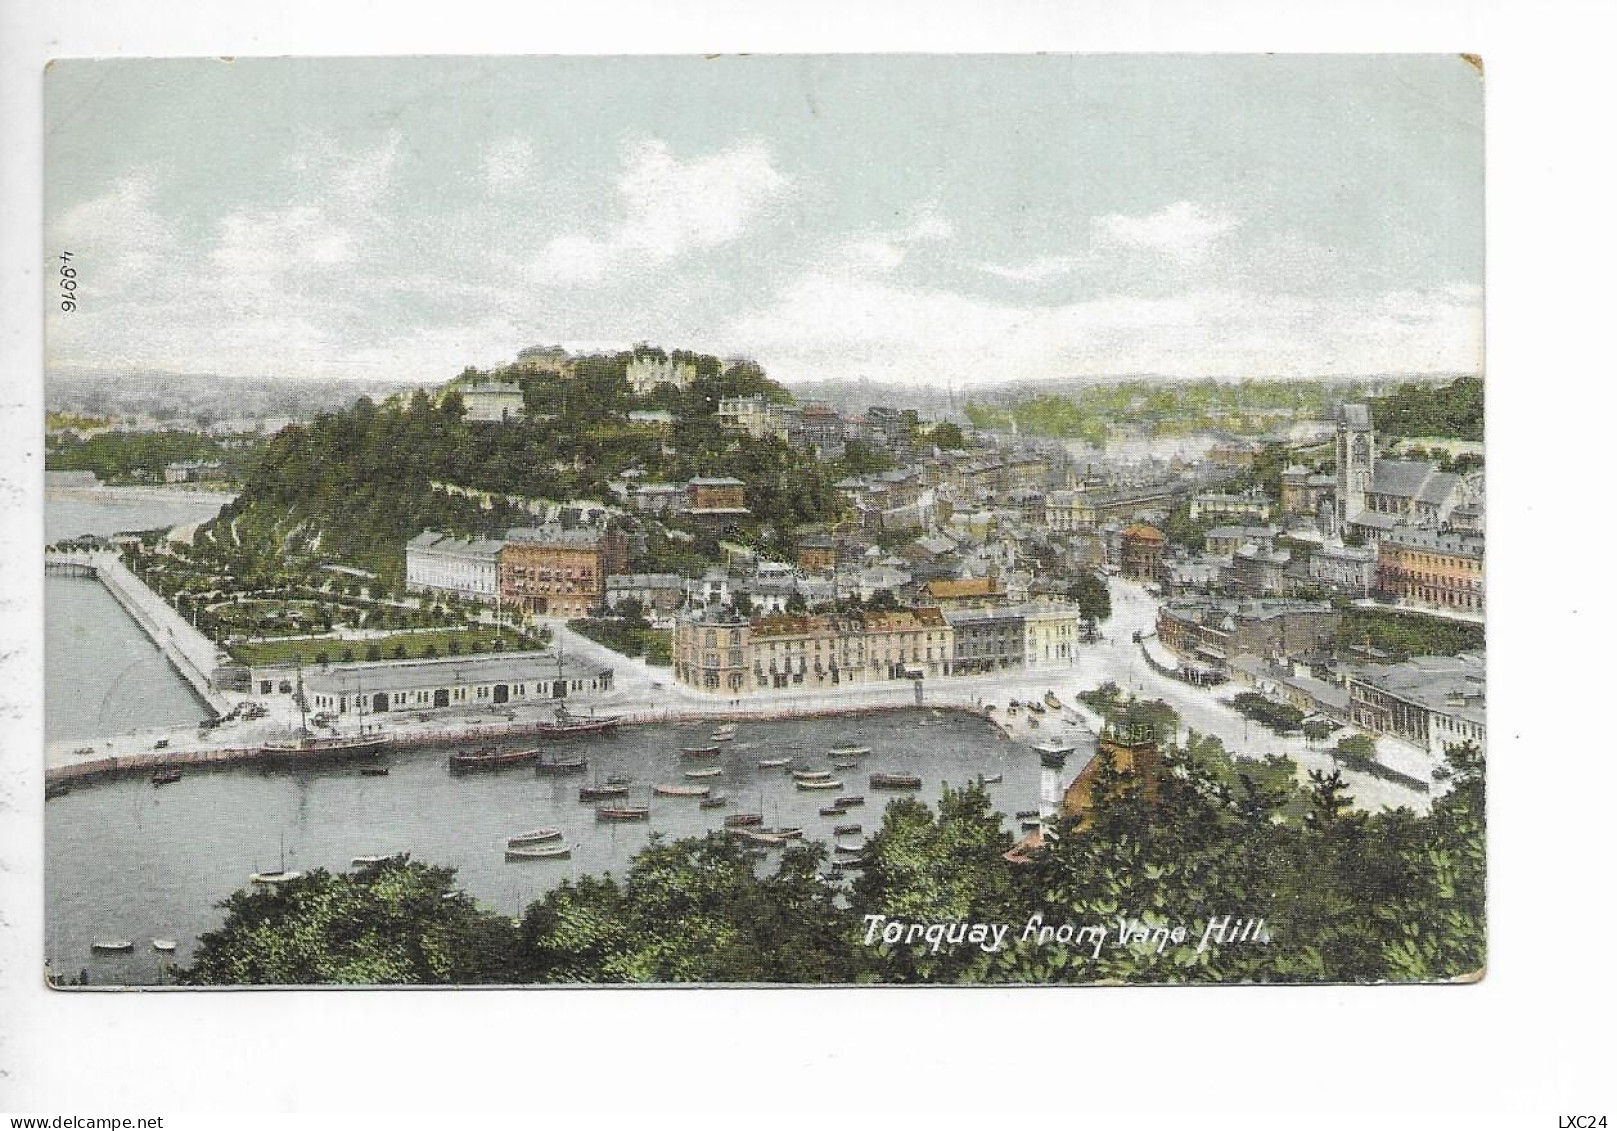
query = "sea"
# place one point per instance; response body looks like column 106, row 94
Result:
column 126, row 860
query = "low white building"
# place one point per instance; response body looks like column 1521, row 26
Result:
column 468, row 568
column 348, row 691
column 492, row 401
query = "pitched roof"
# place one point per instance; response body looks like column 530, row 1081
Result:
column 968, row 587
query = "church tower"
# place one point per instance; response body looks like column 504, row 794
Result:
column 1355, row 461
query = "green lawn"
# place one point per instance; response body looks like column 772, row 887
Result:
column 415, row 645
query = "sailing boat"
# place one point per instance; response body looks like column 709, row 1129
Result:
column 304, row 745
column 279, row 876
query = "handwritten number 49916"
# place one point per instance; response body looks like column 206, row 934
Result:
column 69, row 283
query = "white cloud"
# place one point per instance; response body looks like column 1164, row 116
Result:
column 1184, row 232
column 669, row 208
column 508, row 163
column 887, row 250
column 1034, row 270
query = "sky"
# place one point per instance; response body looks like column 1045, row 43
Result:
column 962, row 220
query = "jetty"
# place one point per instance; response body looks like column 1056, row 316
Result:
column 190, row 653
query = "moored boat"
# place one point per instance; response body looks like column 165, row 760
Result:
column 725, row 732
column 699, row 752
column 533, row 836
column 566, row 726
column 895, row 781
column 334, row 746
column 848, row 849
column 817, row 783
column 489, row 758
column 851, row 801
column 1051, row 701
column 716, row 801
column 810, row 775
column 552, row 852
column 773, row 763
column 848, row 830
column 561, row 765
column 623, row 813
column 754, row 836
column 1030, row 824
column 271, row 878
column 849, row 751
column 682, row 790
column 165, row 946
column 112, row 946
column 165, row 777
column 790, row 832
column 601, row 792
column 1021, row 813
column 844, row 764
column 832, row 811
column 379, row 859
column 990, row 779
column 373, row 771
column 710, row 772
column 740, row 820
column 619, row 779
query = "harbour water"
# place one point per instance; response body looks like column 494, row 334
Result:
column 102, row 675
column 124, row 859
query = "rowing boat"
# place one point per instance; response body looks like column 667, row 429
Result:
column 816, row 783
column 682, row 790
column 554, row 852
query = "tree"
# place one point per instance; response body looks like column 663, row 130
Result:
column 1357, row 746
column 398, row 923
column 795, row 603
column 946, row 436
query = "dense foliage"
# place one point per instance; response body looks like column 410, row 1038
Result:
column 1405, row 634
column 1342, row 895
column 1282, row 718
column 1453, row 410
column 141, row 457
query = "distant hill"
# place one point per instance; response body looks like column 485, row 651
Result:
column 203, row 397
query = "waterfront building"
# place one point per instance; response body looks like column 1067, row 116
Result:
column 1219, row 630
column 987, row 639
column 1423, row 567
column 437, row 563
column 553, row 571
column 1050, row 634
column 466, row 683
column 1430, row 701
column 492, row 401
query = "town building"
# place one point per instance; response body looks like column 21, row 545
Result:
column 1423, row 567
column 556, row 572
column 1374, row 495
column 1222, row 506
column 437, row 563
column 1049, row 634
column 717, row 502
column 542, row 359
column 961, row 593
column 1430, row 701
column 989, row 639
column 459, row 683
column 817, row 553
column 1223, row 541
column 1257, row 569
column 756, row 415
column 659, row 594
column 1219, row 630
column 492, row 401
column 194, row 471
column 1141, row 551
column 1349, row 570
column 646, row 371
column 1303, row 491
column 660, row 498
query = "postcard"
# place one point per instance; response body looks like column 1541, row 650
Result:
column 764, row 520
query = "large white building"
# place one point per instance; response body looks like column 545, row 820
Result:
column 492, row 401
column 468, row 568
column 646, row 371
column 462, row 683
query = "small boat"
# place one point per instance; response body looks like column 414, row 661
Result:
column 894, row 781
column 1021, row 813
column 1051, row 701
column 740, row 820
column 379, row 859
column 852, row 862
column 561, row 765
column 601, row 792
column 567, row 727
column 1031, row 824
column 810, row 775
column 554, row 852
column 1032, row 722
column 848, row 830
column 534, row 836
column 726, row 733
column 112, row 946
column 848, row 849
column 773, row 763
column 699, row 752
column 990, row 779
column 817, row 783
column 850, row 802
column 165, row 777
column 845, row 764
column 682, row 790
column 710, row 772
column 619, row 779
column 832, row 811
column 1035, row 707
column 753, row 836
column 167, row 946
column 787, row 832
column 489, row 758
column 272, row 878
column 373, row 771
column 849, row 751
column 623, row 813
column 716, row 801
